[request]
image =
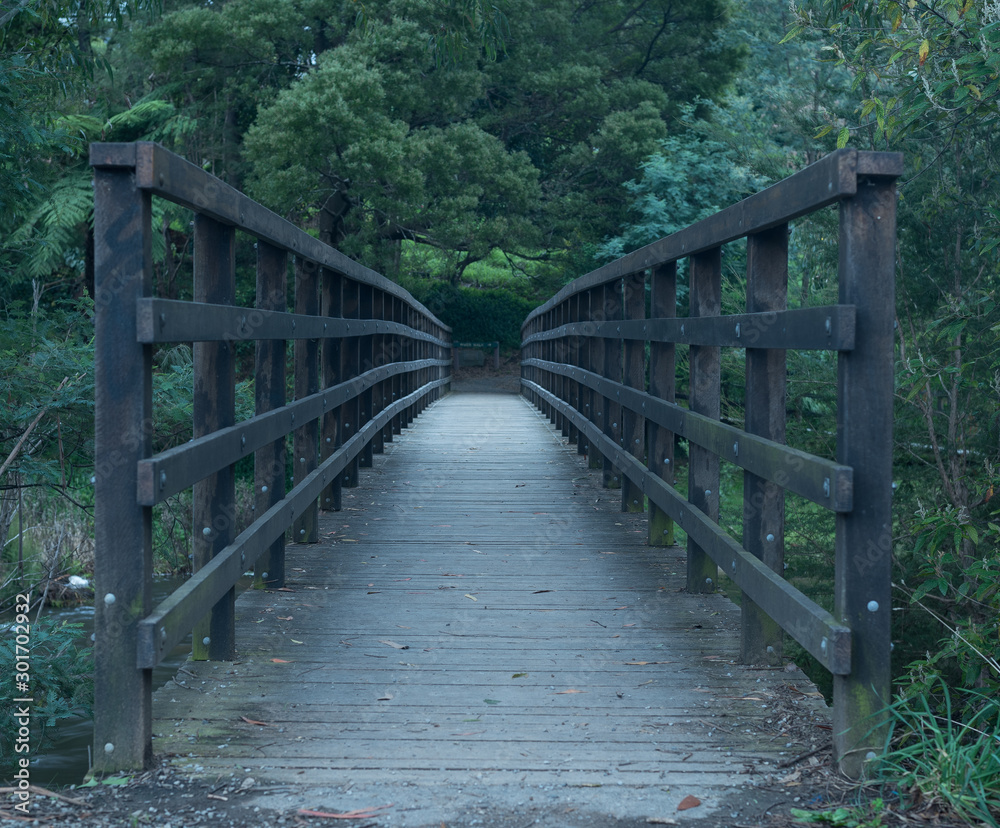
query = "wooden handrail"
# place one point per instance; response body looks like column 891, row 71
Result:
column 368, row 359
column 584, row 365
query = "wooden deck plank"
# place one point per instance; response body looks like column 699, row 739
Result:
column 538, row 640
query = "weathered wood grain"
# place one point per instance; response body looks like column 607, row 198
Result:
column 481, row 544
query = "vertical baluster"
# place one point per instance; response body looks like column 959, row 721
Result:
column 331, row 438
column 634, row 375
column 763, row 500
column 378, row 361
column 305, row 440
column 214, row 501
column 612, row 371
column 704, row 394
column 366, row 361
column 123, row 562
column 269, row 394
column 662, row 384
column 349, row 355
column 575, row 393
column 595, row 364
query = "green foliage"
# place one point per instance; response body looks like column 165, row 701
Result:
column 932, row 756
column 689, row 178
column 62, row 683
column 477, row 315
column 860, row 817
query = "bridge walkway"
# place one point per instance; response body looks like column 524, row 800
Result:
column 481, row 627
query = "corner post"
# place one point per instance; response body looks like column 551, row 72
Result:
column 122, row 436
column 862, row 589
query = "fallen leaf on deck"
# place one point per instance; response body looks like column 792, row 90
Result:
column 386, row 697
column 294, row 641
column 254, row 722
column 471, row 598
column 564, row 692
column 280, row 661
column 284, row 589
column 540, row 591
column 688, row 802
column 519, row 675
column 644, row 663
column 360, row 813
column 284, row 618
column 492, row 701
column 661, row 821
column 394, row 645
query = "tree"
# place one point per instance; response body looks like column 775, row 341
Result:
column 524, row 153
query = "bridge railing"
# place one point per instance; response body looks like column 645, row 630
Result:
column 367, row 359
column 603, row 370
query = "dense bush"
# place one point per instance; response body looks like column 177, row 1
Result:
column 478, row 315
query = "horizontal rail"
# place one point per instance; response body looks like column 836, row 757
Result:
column 827, row 328
column 179, row 468
column 169, row 176
column 167, row 625
column 172, row 320
column 829, row 180
column 807, row 622
column 824, row 482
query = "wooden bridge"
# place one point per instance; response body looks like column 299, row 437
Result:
column 488, row 597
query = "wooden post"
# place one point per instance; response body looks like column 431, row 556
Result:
column 862, row 595
column 704, row 394
column 634, row 374
column 496, row 356
column 214, row 408
column 613, row 371
column 763, row 500
column 123, row 404
column 331, row 305
column 305, row 442
column 595, row 363
column 662, row 384
column 366, row 361
column 399, row 354
column 378, row 360
column 577, row 344
column 269, row 394
column 349, row 353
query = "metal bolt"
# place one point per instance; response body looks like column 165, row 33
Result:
column 302, row 531
column 206, row 641
column 708, row 581
column 770, row 538
column 263, row 575
column 682, row 329
column 770, row 650
column 243, row 441
column 734, row 566
column 826, row 486
column 207, row 531
column 163, row 633
column 736, row 449
column 163, row 479
column 109, row 747
column 871, row 755
column 823, row 645
column 873, row 606
column 708, row 492
column 737, row 330
column 263, row 488
column 829, row 326
column 109, row 599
